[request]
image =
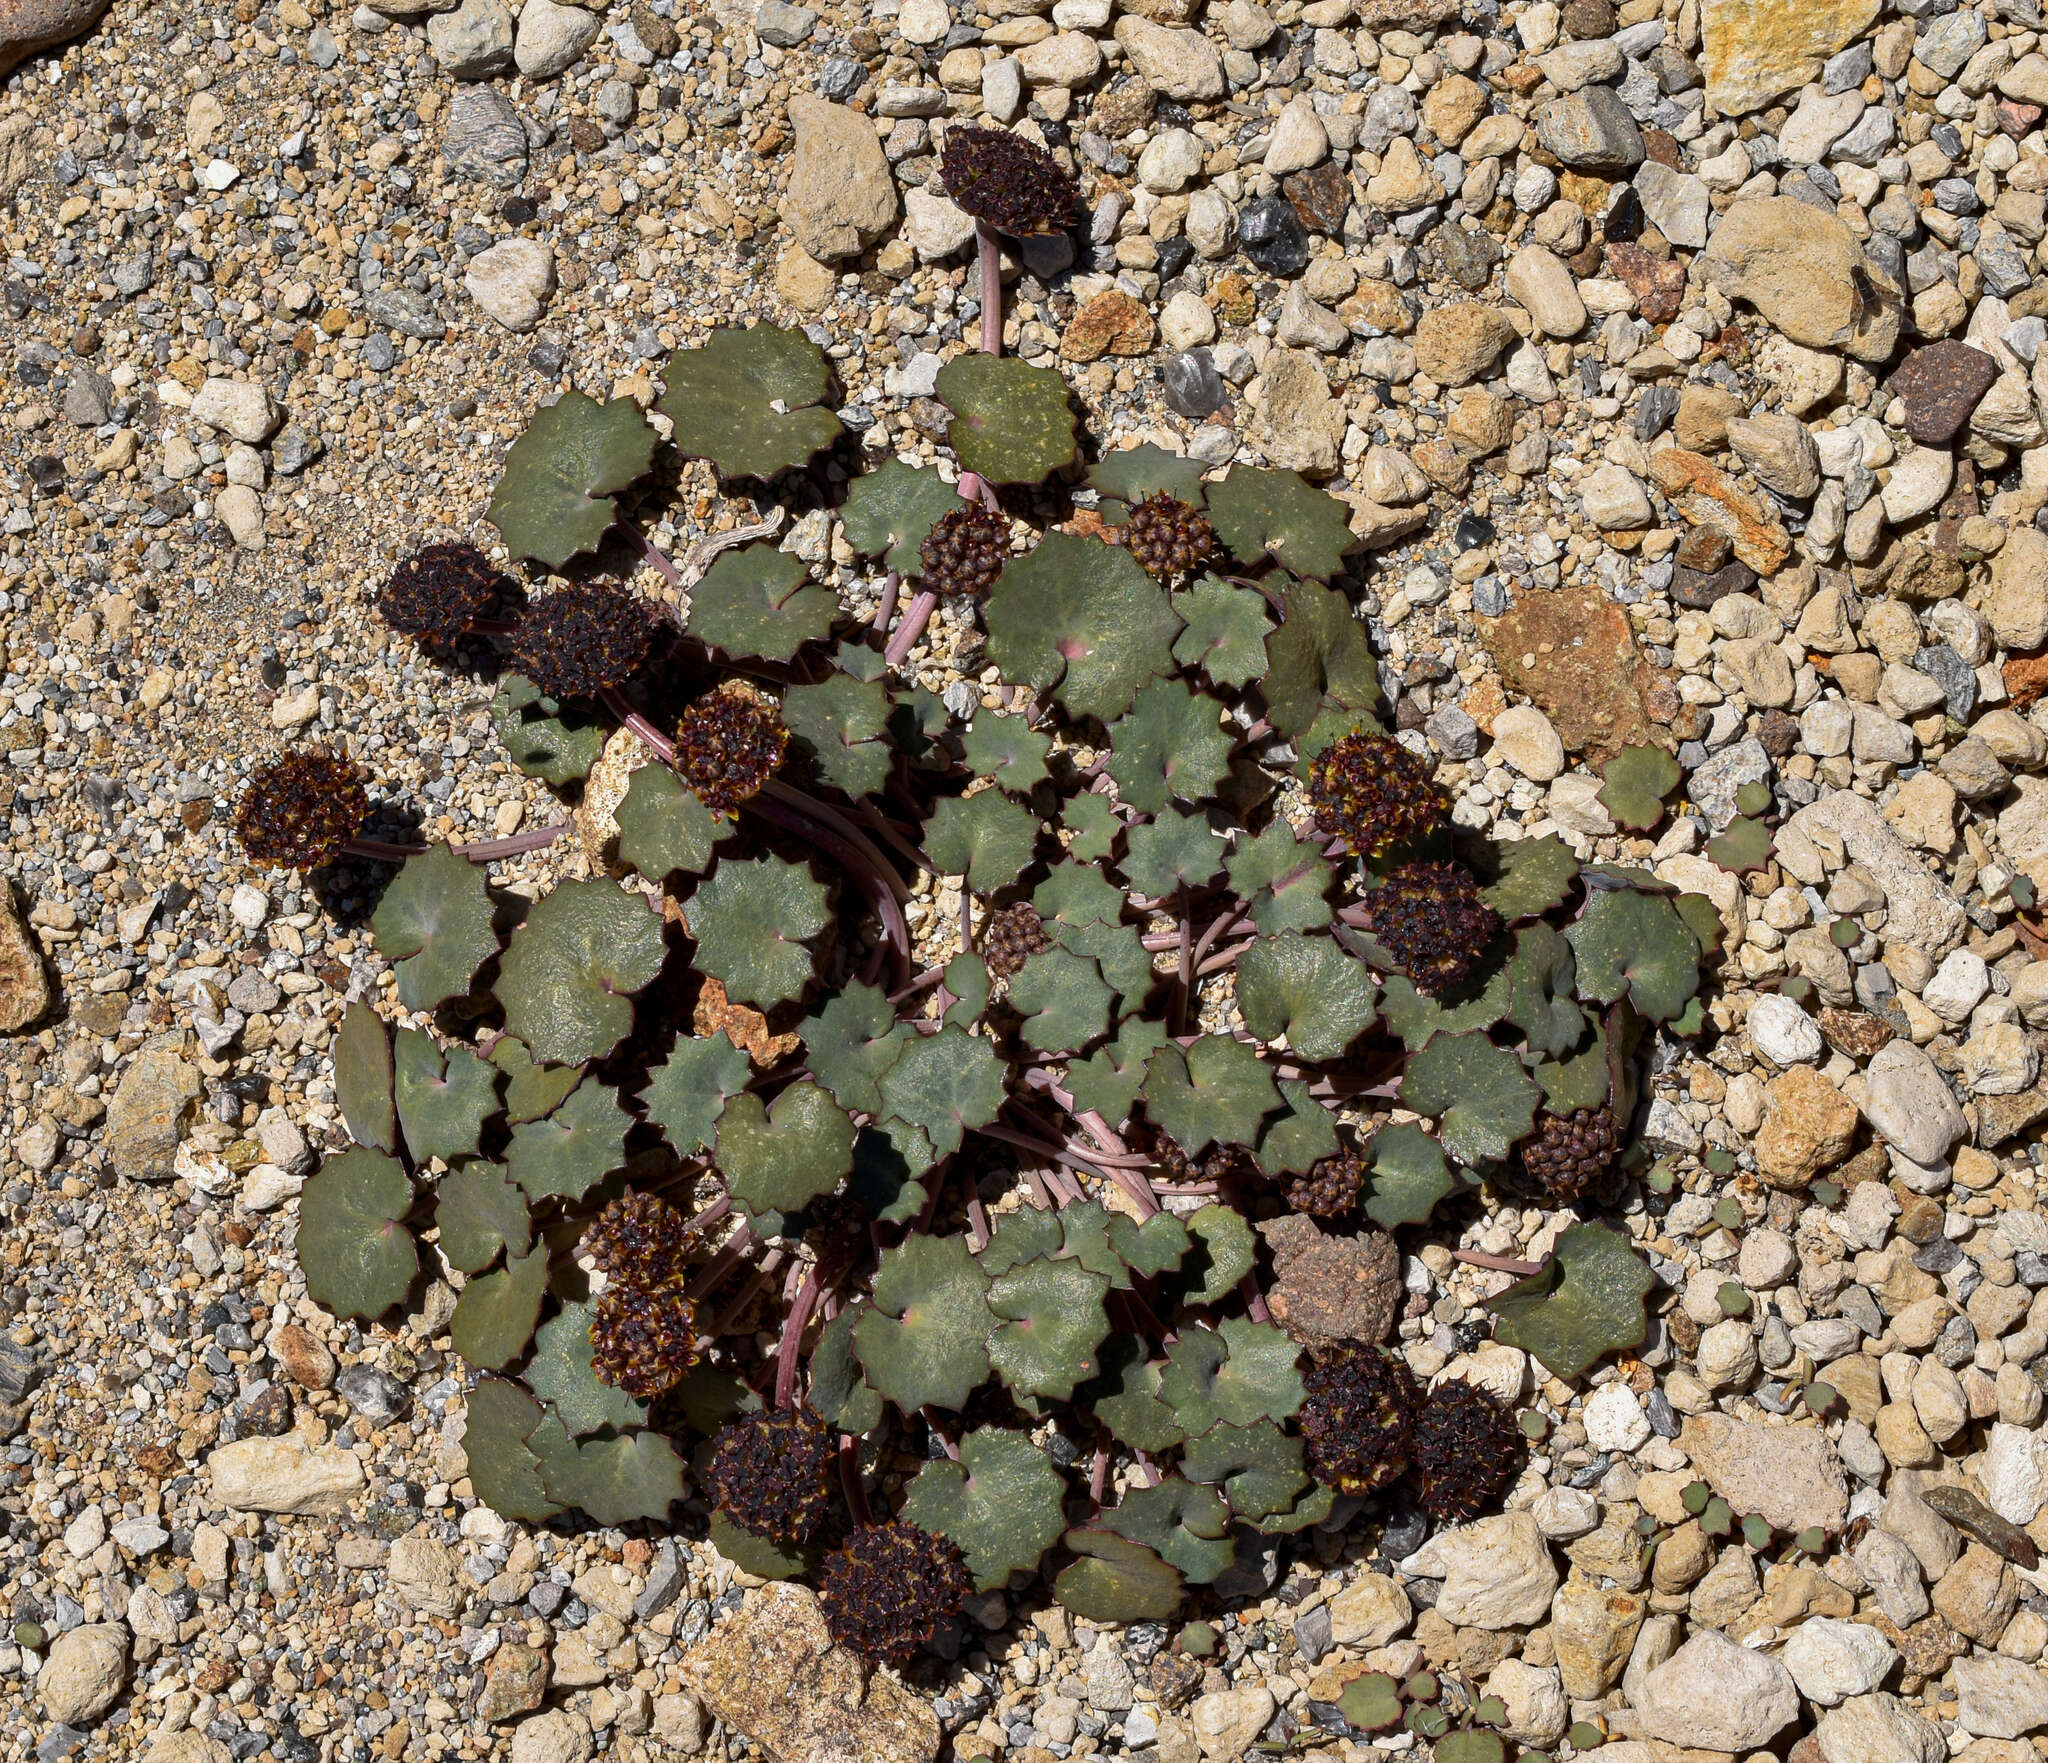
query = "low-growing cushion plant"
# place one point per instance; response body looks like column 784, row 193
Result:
column 987, row 1193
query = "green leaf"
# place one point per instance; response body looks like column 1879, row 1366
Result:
column 750, row 922
column 1371, row 1701
column 1308, row 989
column 1184, row 1523
column 1237, row 1373
column 1318, row 660
column 1260, row 514
column 1114, row 1579
column 544, row 739
column 1125, row 1397
column 1028, row 1233
column 479, row 1212
column 1093, row 826
column 842, row 723
column 1220, row 1257
column 777, row 1160
column 839, row 1394
column 1587, row 1301
column 888, row 1158
column 1283, row 880
column 1157, row 1246
column 1479, row 1094
column 1177, row 850
column 1107, row 1081
column 723, row 399
column 763, row 1557
column 495, row 1315
column 504, row 1472
column 760, row 601
column 1172, row 746
column 617, row 1481
column 1002, row 1503
column 1634, row 784
column 1050, row 1323
column 1012, row 423
column 554, row 498
column 891, row 510
column 1133, row 473
column 1258, row 1467
column 435, row 923
column 562, row 1376
column 1225, row 634
column 1540, row 991
column 1063, row 1001
column 1579, row 1080
column 925, row 1338
column 1078, row 893
column 986, row 837
column 967, row 978
column 1470, row 1746
column 664, row 827
column 533, row 1089
column 443, row 1100
column 1008, row 749
column 1744, row 845
column 1703, row 918
column 1526, row 877
column 1409, row 1176
column 1121, row 954
column 946, row 1083
column 689, row 1090
column 853, row 1039
column 1301, row 1137
column 357, row 1255
column 568, row 975
column 362, row 1078
column 575, row 1148
column 1082, row 620
column 1476, row 1002
column 1637, row 944
column 1216, row 1091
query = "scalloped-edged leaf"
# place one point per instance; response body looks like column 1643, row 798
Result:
column 1133, row 473
column 1587, row 1301
column 1636, row 944
column 709, row 1396
column 1217, row 1091
column 778, row 1159
column 617, row 1481
column 1002, row 1503
column 1261, row 513
column 1176, row 850
column 840, row 1396
column 1237, row 1373
column 1540, row 1000
column 986, row 837
column 1526, row 877
column 1092, row 826
column 1225, row 632
column 1634, row 783
column 1371, row 1701
column 888, row 1158
column 575, row 1148
column 1300, row 1137
column 504, row 1472
column 545, row 738
column 1125, row 1397
column 1083, row 621
column 434, row 922
column 1478, row 1001
column 1012, row 422
column 1220, row 1254
column 1063, row 1000
column 1084, row 1237
column 1703, row 918
column 1257, row 1465
column 1184, row 1523
column 1317, row 662
column 751, row 921
column 750, row 401
column 842, row 724
column 664, row 827
column 1408, row 1176
column 1746, row 844
column 891, row 510
column 760, row 601
column 967, row 978
column 353, row 1247
column 554, row 497
column 1050, row 1321
column 569, row 973
column 1027, row 1233
column 478, row 1213
column 1481, row 1098
column 1121, row 954
column 1156, row 1246
column 1108, row 1080
column 495, row 1315
column 689, row 1090
column 1284, row 880
column 946, row 1083
column 362, row 1078
column 444, row 1098
column 1171, row 746
column 925, row 1337
column 1308, row 989
column 763, row 1557
column 1078, row 893
column 1470, row 1745
column 852, row 1039
column 1113, row 1579
column 562, row 1376
column 532, row 1087
column 1008, row 749
column 1578, row 1080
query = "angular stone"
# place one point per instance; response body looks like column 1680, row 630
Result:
column 24, row 981
column 485, row 140
column 2001, row 1698
column 1865, row 1729
column 1330, row 1287
column 1923, row 910
column 1572, row 653
column 285, row 1475
column 1789, row 1476
column 1752, row 51
column 841, row 197
column 28, row 27
column 1591, row 130
column 1803, row 269
column 1809, row 1126
column 1594, row 1628
column 148, row 1114
column 1497, row 1573
column 1941, row 385
column 1702, row 493
column 1714, row 1695
column 513, row 281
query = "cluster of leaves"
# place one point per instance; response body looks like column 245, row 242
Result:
column 999, row 1210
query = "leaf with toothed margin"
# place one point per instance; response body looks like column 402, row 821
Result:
column 1093, row 826
column 925, row 1338
column 1481, row 1098
column 1082, row 620
column 1636, row 944
column 689, row 1090
column 1300, row 1138
column 353, row 1247
column 1157, row 1246
column 1063, row 1001
column 1587, row 1301
column 946, row 1083
column 1217, row 1091
column 1183, row 1523
column 760, row 601
column 1578, row 1080
column 891, row 510
column 495, row 1315
column 569, row 973
column 435, row 923
column 575, row 1148
column 1002, row 1503
column 1113, row 1579
column 1744, row 845
column 1012, row 423
column 563, row 1376
column 1318, row 661
column 555, row 742
column 1171, row 746
column 843, row 724
column 1007, row 749
column 1220, row 1255
column 1226, row 632
column 664, row 827
column 1078, row 893
column 1260, row 513
column 1108, row 1080
column 1634, row 784
column 750, row 401
column 763, row 1557
column 1703, row 918
column 1408, row 1176
column 554, row 499
column 616, row 1481
column 839, row 1394
column 444, row 1097
column 1121, row 954
column 1540, row 991
column 1476, row 1002
column 1125, row 1397
column 750, row 922
column 1084, row 1237
column 852, row 1039
column 1525, row 877
column 1049, row 1323
column 504, row 1472
column 1029, row 1233
column 1237, row 1373
column 1283, row 880
column 478, row 1212
column 777, row 1160
column 362, row 1078
column 888, row 1158
column 1257, row 1465
column 985, row 837
column 533, row 1088
column 968, row 980
column 1174, row 851
column 1132, row 474
column 1310, row 1508
column 1308, row 989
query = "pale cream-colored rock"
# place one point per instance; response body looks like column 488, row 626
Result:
column 1806, row 273
column 285, row 1475
column 1788, row 1475
column 841, row 197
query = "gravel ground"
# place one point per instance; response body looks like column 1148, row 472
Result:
column 1682, row 365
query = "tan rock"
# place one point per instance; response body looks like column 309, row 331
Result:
column 24, row 981
column 1459, row 343
column 1593, row 1630
column 841, row 197
column 803, row 281
column 1804, row 271
column 1752, row 51
column 1809, row 1126
column 1786, row 1475
column 1110, row 324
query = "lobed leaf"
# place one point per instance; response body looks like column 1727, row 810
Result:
column 1308, row 989
column 1300, row 1137
column 1257, row 1465
column 891, row 510
column 664, row 827
column 616, row 1481
column 1408, row 1176
column 1008, row 749
column 852, row 1039
column 443, row 1098
column 1217, row 1091
column 478, row 1213
column 1050, row 1321
column 690, row 1089
column 723, row 398
column 1634, row 943
column 750, row 922
column 924, row 1339
column 362, row 1078
column 435, row 923
column 1540, row 979
column 554, row 499
column 1587, row 1301
column 1171, row 746
column 946, row 1083
column 1083, row 621
column 353, row 1247
column 1184, row 1523
column 1012, row 422
column 1634, row 784
column 1284, row 880
column 569, row 973
column 842, row 723
column 1063, row 1001
column 1107, row 1082
column 1175, row 851
column 495, row 1315
column 575, row 1148
column 1114, row 1579
column 1133, row 473
column 564, row 1377
column 532, row 1089
column 760, row 601
column 985, row 837
column 502, row 1469
column 778, row 1159
column 839, row 1394
column 1528, row 876
column 1092, row 827
column 546, row 739
column 1318, row 663
column 1225, row 632
column 1260, row 513
column 1237, row 1373
column 1479, row 1094
column 1002, row 1503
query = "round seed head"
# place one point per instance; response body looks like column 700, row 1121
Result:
column 1359, row 1420
column 1569, row 1153
column 1331, row 1187
column 1374, row 794
column 437, row 593
column 643, row 1342
column 771, row 1473
column 640, row 1240
column 1168, row 537
column 578, row 640
column 728, row 744
column 1010, row 936
column 300, row 812
column 1014, row 185
column 1468, row 1451
column 891, row 1589
column 965, row 551
column 1430, row 918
